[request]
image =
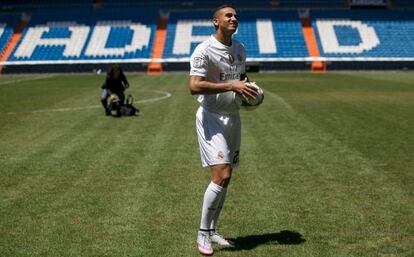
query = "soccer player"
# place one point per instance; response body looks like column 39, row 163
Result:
column 115, row 83
column 217, row 73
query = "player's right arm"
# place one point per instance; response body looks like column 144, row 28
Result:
column 199, row 85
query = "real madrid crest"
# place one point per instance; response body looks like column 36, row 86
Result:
column 198, row 62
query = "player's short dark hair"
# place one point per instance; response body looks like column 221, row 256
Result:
column 222, row 7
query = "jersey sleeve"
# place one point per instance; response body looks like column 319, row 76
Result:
column 199, row 63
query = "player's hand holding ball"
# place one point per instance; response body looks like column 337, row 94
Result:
column 250, row 102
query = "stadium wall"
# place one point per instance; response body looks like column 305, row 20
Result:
column 82, row 39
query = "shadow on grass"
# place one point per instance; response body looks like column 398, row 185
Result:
column 284, row 237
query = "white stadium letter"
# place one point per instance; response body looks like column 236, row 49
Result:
column 329, row 40
column 184, row 35
column 265, row 36
column 2, row 26
column 97, row 45
column 73, row 44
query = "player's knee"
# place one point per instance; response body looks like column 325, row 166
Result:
column 225, row 178
column 226, row 181
column 222, row 175
column 222, row 181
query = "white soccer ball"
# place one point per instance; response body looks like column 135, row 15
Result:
column 250, row 103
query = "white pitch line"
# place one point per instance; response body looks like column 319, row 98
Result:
column 165, row 95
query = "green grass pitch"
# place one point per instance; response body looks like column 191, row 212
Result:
column 327, row 168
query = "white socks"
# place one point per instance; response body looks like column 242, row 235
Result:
column 218, row 211
column 213, row 198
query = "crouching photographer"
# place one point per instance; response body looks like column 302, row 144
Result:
column 113, row 97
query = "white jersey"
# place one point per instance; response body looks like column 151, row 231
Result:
column 218, row 63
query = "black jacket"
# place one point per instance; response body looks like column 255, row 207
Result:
column 117, row 85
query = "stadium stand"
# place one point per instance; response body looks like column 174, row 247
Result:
column 402, row 3
column 8, row 21
column 87, row 34
column 257, row 30
column 365, row 34
column 42, row 3
column 257, row 3
column 311, row 3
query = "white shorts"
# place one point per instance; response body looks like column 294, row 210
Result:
column 219, row 137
